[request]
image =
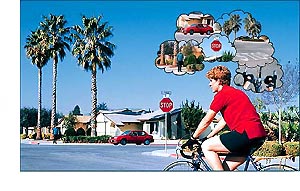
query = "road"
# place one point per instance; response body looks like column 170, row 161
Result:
column 94, row 157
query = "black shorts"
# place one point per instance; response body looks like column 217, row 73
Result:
column 240, row 144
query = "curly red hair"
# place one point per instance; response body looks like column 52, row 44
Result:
column 221, row 73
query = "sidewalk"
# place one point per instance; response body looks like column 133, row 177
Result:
column 59, row 142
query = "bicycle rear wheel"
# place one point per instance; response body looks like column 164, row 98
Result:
column 278, row 168
column 182, row 166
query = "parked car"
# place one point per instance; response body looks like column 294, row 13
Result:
column 198, row 28
column 132, row 136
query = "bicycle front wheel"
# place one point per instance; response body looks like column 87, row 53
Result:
column 278, row 168
column 182, row 166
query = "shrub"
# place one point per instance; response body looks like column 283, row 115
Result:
column 32, row 136
column 80, row 131
column 86, row 139
column 291, row 148
column 70, row 132
column 23, row 136
column 199, row 67
column 46, row 135
column 270, row 149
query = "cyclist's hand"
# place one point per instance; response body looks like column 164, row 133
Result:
column 190, row 143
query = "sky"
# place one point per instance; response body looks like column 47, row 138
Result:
column 139, row 27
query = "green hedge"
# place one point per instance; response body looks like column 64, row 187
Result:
column 273, row 149
column 292, row 148
column 86, row 139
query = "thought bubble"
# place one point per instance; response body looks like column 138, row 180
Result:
column 260, row 78
column 194, row 26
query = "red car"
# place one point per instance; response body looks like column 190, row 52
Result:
column 132, row 136
column 198, row 28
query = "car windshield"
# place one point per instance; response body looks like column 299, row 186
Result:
column 126, row 132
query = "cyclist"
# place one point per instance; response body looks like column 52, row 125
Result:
column 246, row 134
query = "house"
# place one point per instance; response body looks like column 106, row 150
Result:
column 116, row 122
column 195, row 18
column 82, row 122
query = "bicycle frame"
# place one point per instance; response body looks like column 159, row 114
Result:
column 249, row 159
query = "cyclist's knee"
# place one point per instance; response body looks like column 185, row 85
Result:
column 206, row 145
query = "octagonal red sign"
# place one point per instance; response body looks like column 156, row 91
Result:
column 216, row 45
column 166, row 104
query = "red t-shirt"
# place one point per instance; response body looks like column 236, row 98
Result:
column 238, row 112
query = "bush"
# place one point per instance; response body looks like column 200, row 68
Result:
column 270, row 149
column 86, row 139
column 70, row 132
column 46, row 135
column 80, row 131
column 32, row 136
column 291, row 148
column 23, row 136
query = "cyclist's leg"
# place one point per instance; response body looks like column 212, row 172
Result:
column 236, row 143
column 230, row 163
column 210, row 148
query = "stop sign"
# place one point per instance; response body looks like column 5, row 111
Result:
column 166, row 104
column 216, row 45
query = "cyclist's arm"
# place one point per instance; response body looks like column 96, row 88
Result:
column 204, row 123
column 220, row 125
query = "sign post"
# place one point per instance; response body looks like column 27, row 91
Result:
column 166, row 105
column 216, row 46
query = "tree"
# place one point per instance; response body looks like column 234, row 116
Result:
column 286, row 93
column 28, row 117
column 58, row 41
column 227, row 28
column 76, row 110
column 252, row 26
column 192, row 114
column 69, row 124
column 93, row 50
column 37, row 50
column 235, row 23
column 102, row 106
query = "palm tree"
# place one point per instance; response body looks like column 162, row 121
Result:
column 227, row 28
column 235, row 23
column 93, row 50
column 58, row 42
column 252, row 27
column 37, row 50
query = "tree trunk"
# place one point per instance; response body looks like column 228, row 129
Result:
column 162, row 54
column 53, row 109
column 175, row 52
column 94, row 103
column 38, row 130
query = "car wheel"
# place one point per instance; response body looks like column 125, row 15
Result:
column 123, row 142
column 191, row 32
column 147, row 142
column 208, row 32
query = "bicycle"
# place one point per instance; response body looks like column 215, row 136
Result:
column 197, row 161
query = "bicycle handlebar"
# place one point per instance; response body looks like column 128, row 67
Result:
column 196, row 149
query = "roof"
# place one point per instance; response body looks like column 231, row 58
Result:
column 120, row 119
column 158, row 114
column 83, row 118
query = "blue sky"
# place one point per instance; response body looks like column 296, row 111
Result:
column 139, row 28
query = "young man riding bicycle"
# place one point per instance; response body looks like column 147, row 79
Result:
column 246, row 134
